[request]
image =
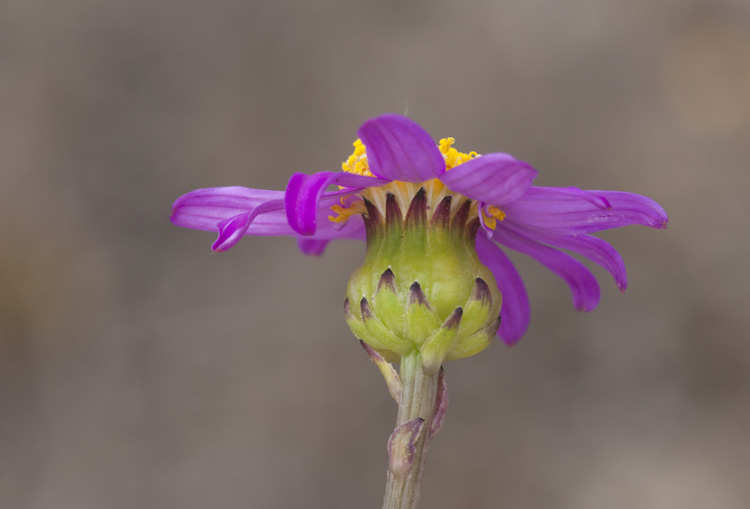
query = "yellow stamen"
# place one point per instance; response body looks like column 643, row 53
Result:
column 404, row 191
column 357, row 162
column 347, row 209
column 492, row 215
column 452, row 156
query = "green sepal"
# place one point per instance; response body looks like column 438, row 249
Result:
column 359, row 330
column 421, row 319
column 386, row 369
column 477, row 310
column 474, row 343
column 435, row 349
column 385, row 338
column 388, row 304
column 432, row 247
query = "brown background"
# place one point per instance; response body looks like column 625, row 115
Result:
column 139, row 371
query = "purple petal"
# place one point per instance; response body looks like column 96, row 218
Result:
column 312, row 247
column 593, row 248
column 328, row 230
column 203, row 209
column 515, row 307
column 238, row 211
column 304, row 192
column 573, row 211
column 234, row 228
column 496, row 179
column 582, row 283
column 399, row 149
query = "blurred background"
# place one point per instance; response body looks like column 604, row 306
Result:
column 137, row 370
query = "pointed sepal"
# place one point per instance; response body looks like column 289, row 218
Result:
column 421, row 318
column 438, row 346
column 357, row 325
column 384, row 338
column 402, row 447
column 477, row 310
column 389, row 305
column 388, row 371
column 475, row 343
column 441, row 405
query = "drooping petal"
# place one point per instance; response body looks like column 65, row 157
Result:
column 304, row 192
column 595, row 249
column 514, row 312
column 203, row 209
column 313, row 247
column 496, row 179
column 573, row 211
column 315, row 244
column 583, row 285
column 399, row 149
column 238, row 211
column 233, row 229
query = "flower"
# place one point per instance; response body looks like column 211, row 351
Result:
column 394, row 161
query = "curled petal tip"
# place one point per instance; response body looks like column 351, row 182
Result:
column 231, row 231
column 302, row 198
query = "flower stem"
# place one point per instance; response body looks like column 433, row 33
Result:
column 418, row 401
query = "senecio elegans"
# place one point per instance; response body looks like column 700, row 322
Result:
column 435, row 284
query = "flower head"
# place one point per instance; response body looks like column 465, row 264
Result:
column 397, row 173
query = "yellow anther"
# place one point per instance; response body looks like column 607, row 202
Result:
column 496, row 212
column 492, row 215
column 445, row 144
column 357, row 162
column 452, row 156
column 344, row 212
column 404, row 191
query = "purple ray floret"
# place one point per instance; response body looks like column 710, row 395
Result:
column 538, row 221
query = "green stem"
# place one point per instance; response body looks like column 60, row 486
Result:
column 418, row 399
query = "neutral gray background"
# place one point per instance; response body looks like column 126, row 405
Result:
column 137, row 370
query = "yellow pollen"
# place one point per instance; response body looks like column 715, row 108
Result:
column 452, row 156
column 436, row 190
column 492, row 215
column 357, row 162
column 344, row 212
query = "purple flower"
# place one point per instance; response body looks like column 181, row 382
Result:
column 396, row 156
